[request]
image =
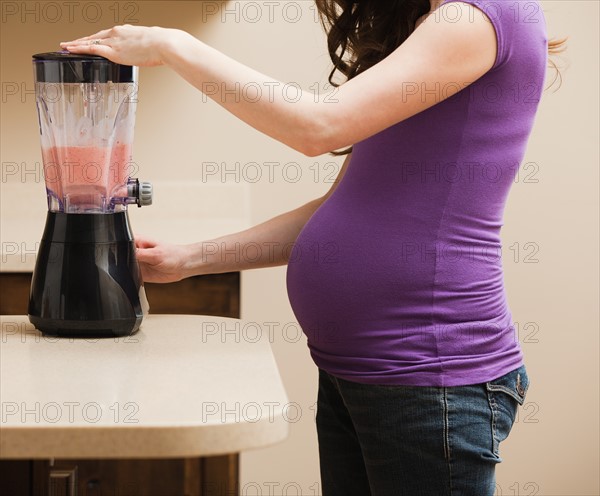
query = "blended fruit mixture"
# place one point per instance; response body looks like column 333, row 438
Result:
column 84, row 178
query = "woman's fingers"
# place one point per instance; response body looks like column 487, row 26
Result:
column 100, row 34
column 102, row 50
column 147, row 257
column 159, row 262
column 142, row 242
column 85, row 45
column 146, row 251
column 150, row 256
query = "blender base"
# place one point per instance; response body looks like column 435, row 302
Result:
column 86, row 281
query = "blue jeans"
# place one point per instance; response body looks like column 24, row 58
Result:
column 381, row 440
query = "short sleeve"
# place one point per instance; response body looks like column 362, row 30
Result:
column 500, row 17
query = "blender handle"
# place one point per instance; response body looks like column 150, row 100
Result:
column 139, row 192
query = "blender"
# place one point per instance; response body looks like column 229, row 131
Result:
column 86, row 281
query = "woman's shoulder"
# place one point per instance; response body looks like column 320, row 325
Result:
column 520, row 25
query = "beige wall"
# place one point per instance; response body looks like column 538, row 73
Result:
column 554, row 446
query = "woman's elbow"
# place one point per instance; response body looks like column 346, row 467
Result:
column 311, row 149
column 317, row 135
column 314, row 143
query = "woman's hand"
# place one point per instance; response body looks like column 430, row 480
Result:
column 162, row 262
column 128, row 45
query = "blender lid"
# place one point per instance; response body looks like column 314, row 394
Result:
column 67, row 67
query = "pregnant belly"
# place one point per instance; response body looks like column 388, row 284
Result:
column 348, row 274
column 377, row 292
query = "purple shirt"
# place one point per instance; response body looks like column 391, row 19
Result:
column 397, row 278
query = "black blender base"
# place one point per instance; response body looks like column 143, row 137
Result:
column 86, row 281
column 86, row 329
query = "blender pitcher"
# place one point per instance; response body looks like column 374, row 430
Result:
column 86, row 280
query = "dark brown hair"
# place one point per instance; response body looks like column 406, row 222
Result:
column 361, row 33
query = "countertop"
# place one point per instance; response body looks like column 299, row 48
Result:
column 182, row 386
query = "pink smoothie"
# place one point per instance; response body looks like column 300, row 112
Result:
column 85, row 177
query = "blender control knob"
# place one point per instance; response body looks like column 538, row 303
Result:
column 145, row 194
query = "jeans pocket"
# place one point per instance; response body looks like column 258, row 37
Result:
column 505, row 395
column 515, row 384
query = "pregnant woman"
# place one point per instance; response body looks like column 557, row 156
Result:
column 420, row 374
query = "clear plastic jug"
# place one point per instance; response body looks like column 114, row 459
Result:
column 86, row 109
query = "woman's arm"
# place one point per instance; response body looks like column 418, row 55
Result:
column 264, row 245
column 443, row 55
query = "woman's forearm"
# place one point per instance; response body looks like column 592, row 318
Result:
column 265, row 245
